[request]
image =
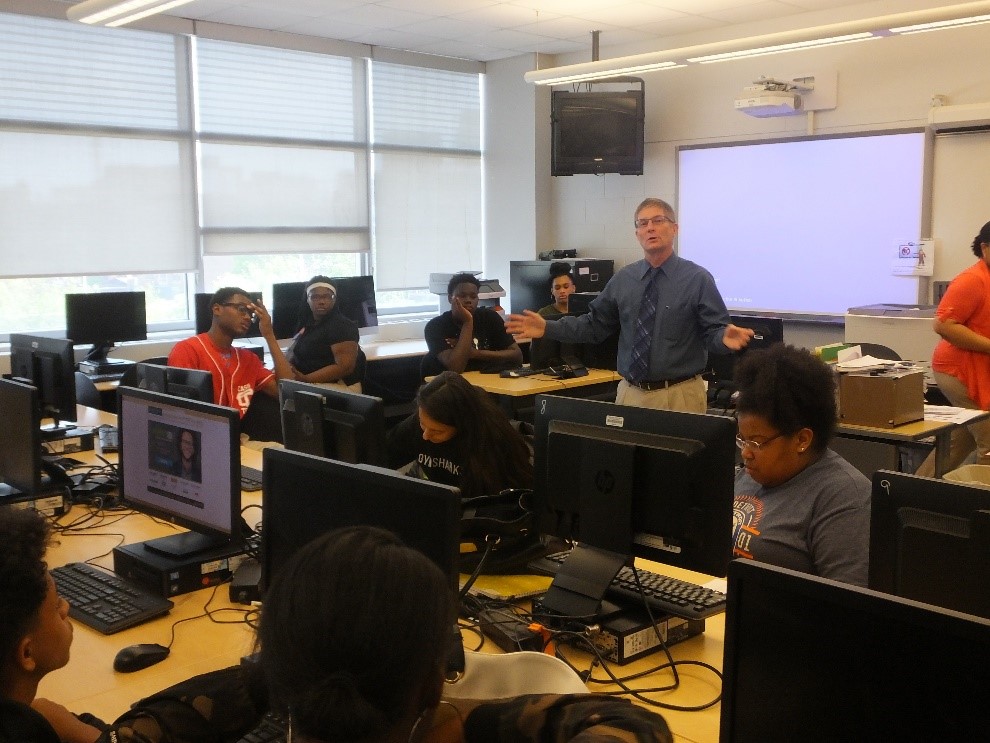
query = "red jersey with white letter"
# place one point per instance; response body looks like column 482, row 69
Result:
column 236, row 374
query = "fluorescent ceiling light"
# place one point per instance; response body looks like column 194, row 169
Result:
column 118, row 12
column 939, row 25
column 777, row 48
column 845, row 32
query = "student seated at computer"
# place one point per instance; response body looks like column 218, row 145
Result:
column 325, row 349
column 798, row 504
column 562, row 286
column 354, row 637
column 237, row 372
column 467, row 337
column 35, row 636
column 458, row 436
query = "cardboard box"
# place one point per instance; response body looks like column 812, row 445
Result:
column 883, row 399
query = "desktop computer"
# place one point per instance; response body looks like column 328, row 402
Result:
column 167, row 576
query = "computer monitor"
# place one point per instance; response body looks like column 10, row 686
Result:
column 546, row 352
column 204, row 314
column 601, row 355
column 193, row 384
column 769, row 331
column 180, row 460
column 334, row 423
column 20, row 438
column 656, row 484
column 811, row 659
column 356, row 299
column 48, row 364
column 105, row 318
column 930, row 541
column 305, row 496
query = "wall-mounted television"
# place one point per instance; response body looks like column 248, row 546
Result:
column 597, row 132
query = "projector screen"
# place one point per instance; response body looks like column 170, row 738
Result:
column 807, row 227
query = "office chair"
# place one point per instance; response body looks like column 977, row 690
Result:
column 86, row 392
column 877, row 351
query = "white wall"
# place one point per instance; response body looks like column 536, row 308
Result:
column 883, row 84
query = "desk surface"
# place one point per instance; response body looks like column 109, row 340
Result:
column 89, row 683
column 538, row 383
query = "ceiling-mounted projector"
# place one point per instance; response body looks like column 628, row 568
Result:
column 767, row 97
column 766, row 104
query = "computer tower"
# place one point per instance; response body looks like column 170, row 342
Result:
column 529, row 281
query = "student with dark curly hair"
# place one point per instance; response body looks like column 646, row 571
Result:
column 798, row 504
column 353, row 641
column 35, row 636
column 458, row 436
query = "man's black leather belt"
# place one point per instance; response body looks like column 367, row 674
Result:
column 660, row 384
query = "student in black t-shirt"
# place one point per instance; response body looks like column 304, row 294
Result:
column 458, row 436
column 468, row 337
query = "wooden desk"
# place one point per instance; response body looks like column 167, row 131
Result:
column 697, row 685
column 89, row 683
column 516, row 392
column 941, row 431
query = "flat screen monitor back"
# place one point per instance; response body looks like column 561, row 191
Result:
column 49, row 364
column 808, row 659
column 105, row 318
column 204, row 314
column 288, row 300
column 769, row 330
column 352, row 428
column 677, row 469
column 356, row 299
column 930, row 541
column 306, row 496
column 20, row 438
column 192, row 384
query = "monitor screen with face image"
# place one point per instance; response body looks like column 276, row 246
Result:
column 332, row 422
column 655, row 484
column 105, row 318
column 180, row 460
column 204, row 314
column 930, row 541
column 305, row 496
column 809, row 659
column 194, row 384
column 49, row 365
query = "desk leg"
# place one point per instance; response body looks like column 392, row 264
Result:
column 943, row 445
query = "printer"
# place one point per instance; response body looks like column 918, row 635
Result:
column 904, row 328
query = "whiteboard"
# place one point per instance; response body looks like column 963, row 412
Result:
column 808, row 226
column 960, row 184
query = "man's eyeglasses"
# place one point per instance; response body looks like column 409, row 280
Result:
column 318, row 296
column 656, row 221
column 241, row 308
column 754, row 445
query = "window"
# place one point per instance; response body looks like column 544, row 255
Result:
column 170, row 164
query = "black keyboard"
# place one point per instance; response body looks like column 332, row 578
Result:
column 103, row 601
column 522, row 371
column 271, row 729
column 250, row 478
column 665, row 595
